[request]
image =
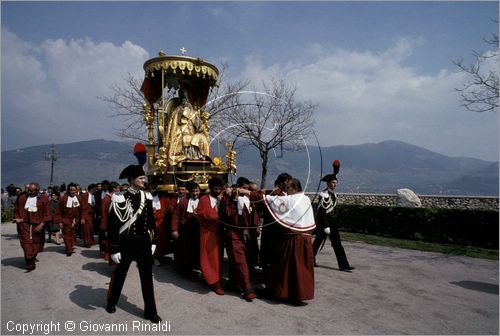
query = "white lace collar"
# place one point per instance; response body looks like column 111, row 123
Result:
column 192, row 205
column 72, row 202
column 213, row 201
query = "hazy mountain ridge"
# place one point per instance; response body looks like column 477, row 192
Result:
column 385, row 167
column 369, row 168
column 83, row 162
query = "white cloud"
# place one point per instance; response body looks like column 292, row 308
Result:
column 49, row 91
column 49, row 94
column 370, row 97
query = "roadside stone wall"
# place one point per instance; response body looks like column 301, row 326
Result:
column 428, row 201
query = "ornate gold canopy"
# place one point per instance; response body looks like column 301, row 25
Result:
column 181, row 65
column 180, row 151
column 172, row 72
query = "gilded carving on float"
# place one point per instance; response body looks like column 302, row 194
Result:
column 176, row 89
column 187, row 131
column 231, row 158
column 162, row 160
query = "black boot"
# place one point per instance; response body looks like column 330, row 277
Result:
column 30, row 265
column 153, row 317
column 110, row 309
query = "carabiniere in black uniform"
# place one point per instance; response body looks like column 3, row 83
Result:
column 130, row 230
column 325, row 221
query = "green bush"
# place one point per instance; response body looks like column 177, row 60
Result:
column 7, row 213
column 461, row 227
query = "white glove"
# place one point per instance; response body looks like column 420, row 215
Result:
column 116, row 257
column 327, row 230
column 153, row 248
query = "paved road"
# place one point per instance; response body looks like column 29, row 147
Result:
column 391, row 291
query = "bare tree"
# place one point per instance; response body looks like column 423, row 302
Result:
column 222, row 97
column 270, row 120
column 127, row 101
column 267, row 120
column 480, row 92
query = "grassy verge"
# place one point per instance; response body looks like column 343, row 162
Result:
column 470, row 251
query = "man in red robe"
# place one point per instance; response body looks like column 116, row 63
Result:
column 292, row 276
column 113, row 188
column 19, row 193
column 32, row 212
column 71, row 212
column 102, row 189
column 211, row 238
column 270, row 228
column 87, row 224
column 163, row 220
column 186, row 232
column 241, row 238
column 160, row 207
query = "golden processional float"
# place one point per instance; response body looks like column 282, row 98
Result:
column 178, row 150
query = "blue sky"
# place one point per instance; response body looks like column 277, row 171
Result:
column 377, row 70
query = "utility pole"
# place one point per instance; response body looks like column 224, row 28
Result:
column 51, row 156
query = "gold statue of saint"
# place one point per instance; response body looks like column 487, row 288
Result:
column 161, row 162
column 186, row 132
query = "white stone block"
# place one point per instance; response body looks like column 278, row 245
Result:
column 408, row 199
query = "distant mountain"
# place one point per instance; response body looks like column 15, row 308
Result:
column 479, row 182
column 382, row 168
column 368, row 168
column 83, row 162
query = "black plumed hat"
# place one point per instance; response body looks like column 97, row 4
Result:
column 336, row 169
column 132, row 171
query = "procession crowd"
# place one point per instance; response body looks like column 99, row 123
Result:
column 265, row 232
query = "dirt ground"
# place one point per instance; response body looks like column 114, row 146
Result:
column 391, row 291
